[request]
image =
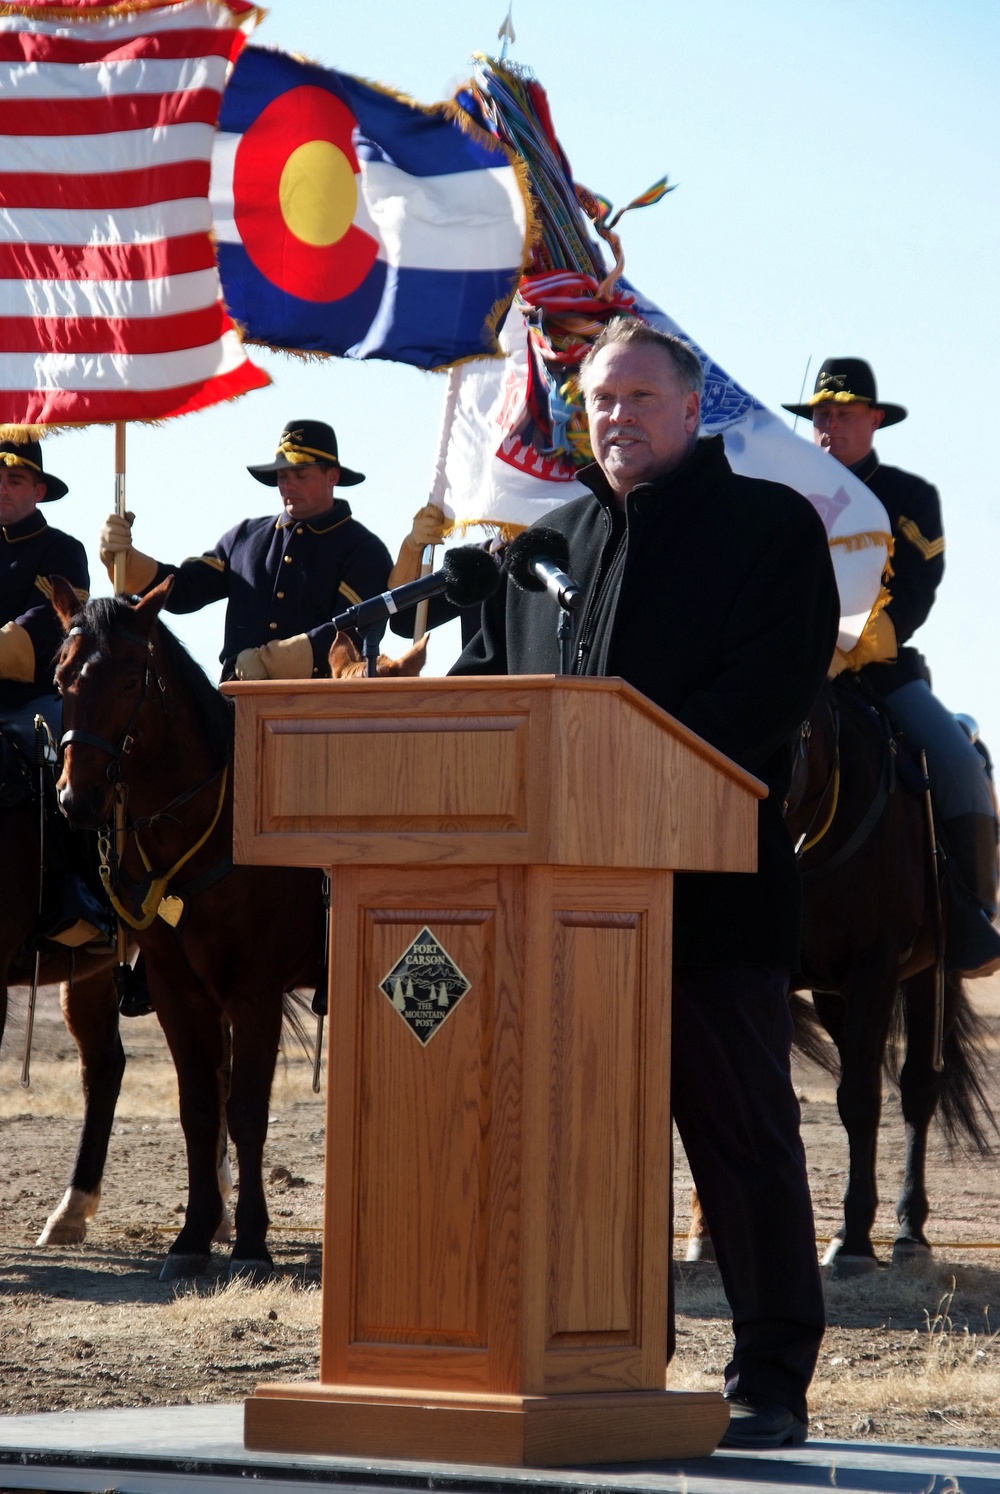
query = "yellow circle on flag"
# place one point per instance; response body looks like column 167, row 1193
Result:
column 318, row 193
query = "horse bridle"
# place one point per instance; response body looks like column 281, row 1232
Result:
column 110, row 868
column 127, row 740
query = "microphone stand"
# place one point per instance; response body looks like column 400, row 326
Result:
column 566, row 633
column 371, row 637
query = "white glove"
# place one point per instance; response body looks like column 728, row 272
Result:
column 116, row 539
column 283, row 659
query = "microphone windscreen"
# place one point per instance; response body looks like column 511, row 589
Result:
column 527, row 547
column 473, row 575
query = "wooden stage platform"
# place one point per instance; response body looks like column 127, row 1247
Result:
column 161, row 1449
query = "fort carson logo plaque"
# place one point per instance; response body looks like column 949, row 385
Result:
column 425, row 985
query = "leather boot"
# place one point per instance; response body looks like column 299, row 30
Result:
column 973, row 944
column 132, row 990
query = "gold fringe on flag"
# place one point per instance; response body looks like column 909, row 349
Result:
column 866, row 540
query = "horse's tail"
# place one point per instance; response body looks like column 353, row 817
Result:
column 295, row 1010
column 964, row 1109
column 809, row 1037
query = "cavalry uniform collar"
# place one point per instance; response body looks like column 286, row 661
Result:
column 25, row 528
column 323, row 523
column 707, row 458
column 867, row 467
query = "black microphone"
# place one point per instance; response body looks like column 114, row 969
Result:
column 467, row 576
column 534, row 562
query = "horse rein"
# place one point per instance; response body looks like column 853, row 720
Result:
column 864, row 827
column 807, row 840
column 156, row 892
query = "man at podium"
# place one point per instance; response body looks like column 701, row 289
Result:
column 715, row 596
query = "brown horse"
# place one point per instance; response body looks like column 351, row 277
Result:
column 142, row 721
column 222, row 943
column 88, row 1005
column 871, row 943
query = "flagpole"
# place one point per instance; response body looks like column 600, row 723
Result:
column 121, row 559
column 438, row 484
column 121, row 562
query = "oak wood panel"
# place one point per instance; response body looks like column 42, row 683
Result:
column 506, row 1210
column 633, row 794
column 394, row 904
column 631, row 1254
column 633, row 786
column 423, row 1153
column 427, row 774
column 602, row 1242
column 342, row 1085
column 502, row 1430
column 594, row 1124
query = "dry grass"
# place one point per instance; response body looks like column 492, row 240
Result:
column 200, row 1310
column 149, row 1090
column 902, row 1348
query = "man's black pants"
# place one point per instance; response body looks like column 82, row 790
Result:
column 736, row 1111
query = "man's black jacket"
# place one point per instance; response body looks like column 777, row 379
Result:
column 720, row 605
column 31, row 551
column 281, row 577
column 914, row 511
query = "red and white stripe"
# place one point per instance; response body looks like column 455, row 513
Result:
column 110, row 301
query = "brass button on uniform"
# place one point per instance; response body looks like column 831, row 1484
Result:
column 288, row 560
column 299, row 530
column 272, row 625
column 281, row 596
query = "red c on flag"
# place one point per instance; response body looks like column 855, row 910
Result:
column 295, row 194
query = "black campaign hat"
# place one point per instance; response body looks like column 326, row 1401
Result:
column 848, row 381
column 305, row 441
column 29, row 454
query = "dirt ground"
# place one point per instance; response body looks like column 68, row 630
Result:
column 907, row 1357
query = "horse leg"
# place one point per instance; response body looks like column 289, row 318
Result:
column 197, row 1044
column 920, row 1089
column 256, row 1032
column 224, row 1234
column 860, row 1031
column 699, row 1241
column 90, row 1011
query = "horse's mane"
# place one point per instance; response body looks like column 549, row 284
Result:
column 102, row 617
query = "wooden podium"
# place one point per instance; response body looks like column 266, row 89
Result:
column 496, row 1250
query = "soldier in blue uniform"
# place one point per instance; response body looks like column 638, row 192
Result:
column 283, row 579
column 31, row 551
column 846, row 412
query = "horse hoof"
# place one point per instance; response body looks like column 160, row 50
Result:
column 251, row 1272
column 178, row 1267
column 912, row 1255
column 701, row 1250
column 224, row 1234
column 849, row 1267
column 67, row 1224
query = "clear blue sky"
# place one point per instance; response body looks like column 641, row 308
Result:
column 837, row 193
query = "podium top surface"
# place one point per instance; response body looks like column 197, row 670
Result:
column 482, row 770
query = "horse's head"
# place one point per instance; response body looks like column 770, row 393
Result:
column 107, row 679
column 347, row 664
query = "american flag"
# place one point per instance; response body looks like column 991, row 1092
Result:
column 110, row 301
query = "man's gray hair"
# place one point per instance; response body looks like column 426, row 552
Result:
column 631, row 332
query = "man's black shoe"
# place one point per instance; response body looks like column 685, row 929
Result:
column 761, row 1424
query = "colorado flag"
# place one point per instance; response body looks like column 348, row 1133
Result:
column 353, row 222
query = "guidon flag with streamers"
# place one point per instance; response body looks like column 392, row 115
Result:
column 110, row 301
column 514, row 434
column 351, row 221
